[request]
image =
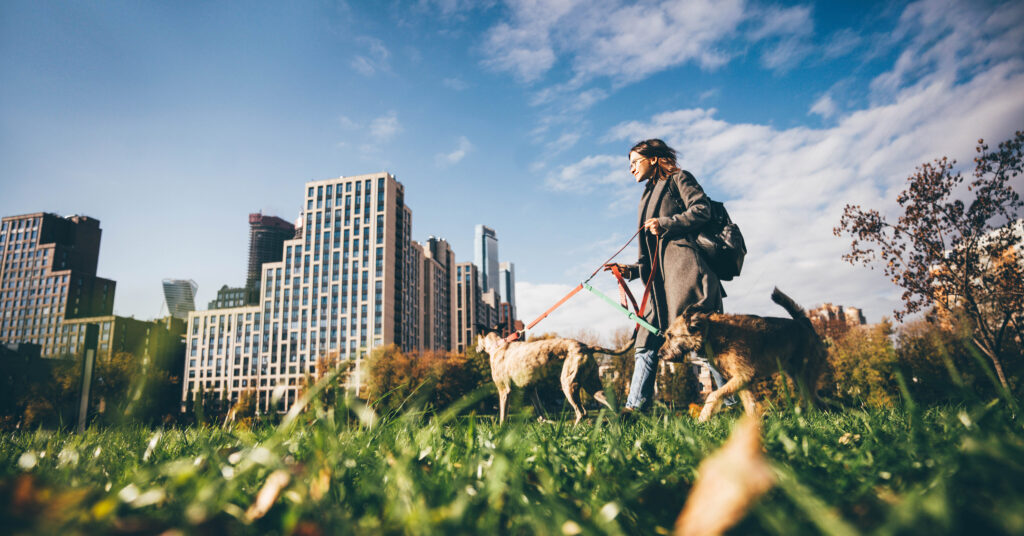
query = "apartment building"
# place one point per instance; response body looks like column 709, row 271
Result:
column 159, row 340
column 228, row 297
column 437, row 280
column 346, row 283
column 47, row 276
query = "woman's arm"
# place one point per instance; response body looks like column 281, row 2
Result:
column 696, row 207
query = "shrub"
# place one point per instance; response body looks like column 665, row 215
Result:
column 863, row 363
column 435, row 378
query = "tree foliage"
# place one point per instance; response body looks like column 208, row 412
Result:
column 863, row 364
column 437, row 379
column 955, row 250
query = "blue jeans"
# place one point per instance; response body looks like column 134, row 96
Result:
column 645, row 372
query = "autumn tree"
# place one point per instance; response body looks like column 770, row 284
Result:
column 954, row 249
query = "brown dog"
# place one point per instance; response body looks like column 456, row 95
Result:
column 747, row 346
column 523, row 363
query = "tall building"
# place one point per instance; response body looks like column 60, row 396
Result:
column 437, row 281
column 48, row 275
column 180, row 296
column 485, row 255
column 266, row 240
column 160, row 340
column 507, row 288
column 467, row 305
column 344, row 285
column 474, row 309
column 230, row 297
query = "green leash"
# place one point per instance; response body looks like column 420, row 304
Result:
column 631, row 315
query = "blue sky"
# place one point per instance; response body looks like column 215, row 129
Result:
column 170, row 122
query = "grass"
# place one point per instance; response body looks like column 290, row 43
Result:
column 345, row 470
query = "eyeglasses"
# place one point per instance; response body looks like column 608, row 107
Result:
column 636, row 161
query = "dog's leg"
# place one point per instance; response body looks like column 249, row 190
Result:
column 537, row 404
column 503, row 392
column 592, row 383
column 572, row 392
column 570, row 382
column 749, row 403
column 811, row 375
column 716, row 396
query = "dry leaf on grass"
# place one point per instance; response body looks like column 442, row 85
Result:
column 268, row 494
column 728, row 483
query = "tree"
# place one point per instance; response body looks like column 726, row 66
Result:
column 960, row 256
column 863, row 365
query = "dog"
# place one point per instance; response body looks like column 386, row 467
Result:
column 524, row 363
column 745, row 347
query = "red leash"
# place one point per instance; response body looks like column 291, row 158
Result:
column 623, row 289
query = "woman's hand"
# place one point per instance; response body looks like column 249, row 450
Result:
column 623, row 269
column 653, row 226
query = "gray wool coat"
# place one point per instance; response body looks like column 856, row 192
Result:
column 682, row 278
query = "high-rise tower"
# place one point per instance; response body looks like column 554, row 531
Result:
column 180, row 297
column 266, row 238
column 485, row 256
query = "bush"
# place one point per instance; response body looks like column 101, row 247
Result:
column 437, row 379
column 863, row 365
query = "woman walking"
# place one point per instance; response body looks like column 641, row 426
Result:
column 673, row 208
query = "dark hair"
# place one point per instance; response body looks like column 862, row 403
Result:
column 655, row 148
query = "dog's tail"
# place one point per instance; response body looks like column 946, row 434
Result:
column 792, row 308
column 629, row 346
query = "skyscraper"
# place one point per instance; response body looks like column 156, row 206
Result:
column 346, row 284
column 180, row 296
column 467, row 306
column 437, row 288
column 507, row 277
column 48, row 275
column 485, row 256
column 266, row 238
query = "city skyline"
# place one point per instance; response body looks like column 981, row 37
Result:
column 170, row 123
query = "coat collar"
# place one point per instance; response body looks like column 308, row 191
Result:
column 652, row 197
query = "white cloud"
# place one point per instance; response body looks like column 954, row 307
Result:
column 385, row 127
column 347, row 123
column 790, row 29
column 776, row 21
column 709, row 94
column 842, row 43
column 787, row 187
column 584, row 311
column 455, row 83
column 620, row 40
column 457, row 155
column 626, row 41
column 589, row 172
column 374, row 59
column 824, row 106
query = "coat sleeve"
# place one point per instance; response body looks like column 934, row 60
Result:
column 696, row 207
column 641, row 268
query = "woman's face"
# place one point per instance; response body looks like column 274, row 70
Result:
column 641, row 166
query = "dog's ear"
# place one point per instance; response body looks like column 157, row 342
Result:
column 697, row 322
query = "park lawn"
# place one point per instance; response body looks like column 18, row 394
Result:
column 341, row 469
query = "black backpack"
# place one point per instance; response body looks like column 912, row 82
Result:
column 720, row 240
column 722, row 243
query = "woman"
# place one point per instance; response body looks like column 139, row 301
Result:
column 673, row 208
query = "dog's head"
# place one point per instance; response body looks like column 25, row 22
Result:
column 489, row 342
column 686, row 334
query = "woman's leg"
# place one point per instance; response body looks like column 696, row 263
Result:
column 645, row 372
